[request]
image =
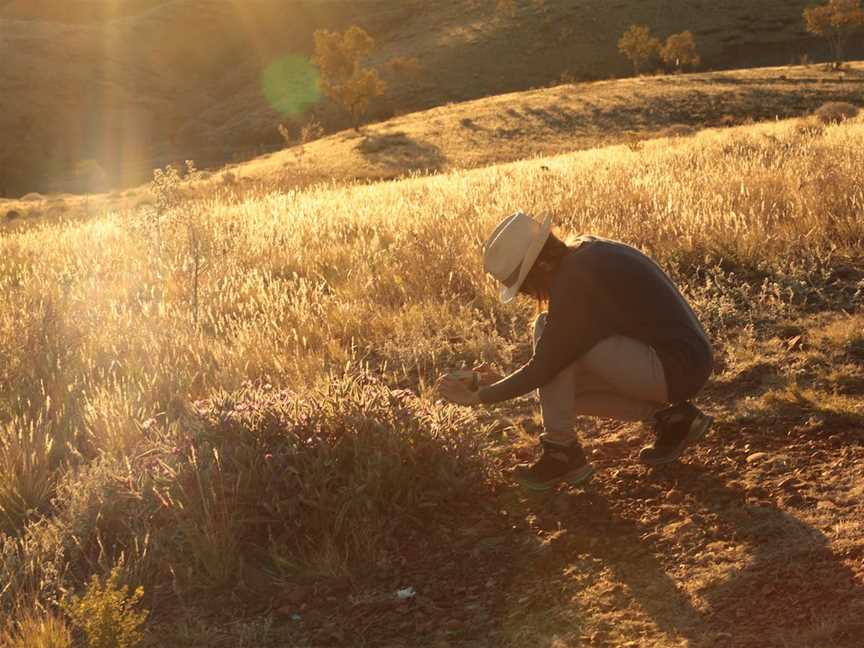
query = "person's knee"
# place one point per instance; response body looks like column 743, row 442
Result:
column 539, row 325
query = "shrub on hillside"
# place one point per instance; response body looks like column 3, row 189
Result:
column 339, row 57
column 836, row 21
column 680, row 51
column 835, row 112
column 325, row 482
column 638, row 45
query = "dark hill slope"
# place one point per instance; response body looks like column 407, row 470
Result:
column 139, row 83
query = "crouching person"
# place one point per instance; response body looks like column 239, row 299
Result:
column 616, row 340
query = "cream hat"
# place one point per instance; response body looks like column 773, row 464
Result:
column 511, row 250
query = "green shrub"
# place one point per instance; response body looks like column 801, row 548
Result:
column 106, row 613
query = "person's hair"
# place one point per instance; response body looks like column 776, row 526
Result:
column 539, row 279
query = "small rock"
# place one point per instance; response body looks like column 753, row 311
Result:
column 826, row 505
column 12, row 214
column 668, row 512
column 789, row 482
column 756, row 457
column 674, row 496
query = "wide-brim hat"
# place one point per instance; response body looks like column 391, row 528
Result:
column 511, row 250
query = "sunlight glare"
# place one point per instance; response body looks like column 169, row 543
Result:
column 290, row 85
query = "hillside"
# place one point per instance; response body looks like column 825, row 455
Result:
column 230, row 405
column 137, row 84
column 506, row 128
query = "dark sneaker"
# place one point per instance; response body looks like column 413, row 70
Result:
column 675, row 428
column 558, row 464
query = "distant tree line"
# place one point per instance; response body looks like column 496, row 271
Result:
column 638, row 45
column 835, row 21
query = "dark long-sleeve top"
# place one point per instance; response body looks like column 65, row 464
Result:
column 602, row 289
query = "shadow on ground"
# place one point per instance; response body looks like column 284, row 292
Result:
column 791, row 588
column 398, row 151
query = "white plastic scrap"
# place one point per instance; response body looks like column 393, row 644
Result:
column 406, row 593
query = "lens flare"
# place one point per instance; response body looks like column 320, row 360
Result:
column 290, row 85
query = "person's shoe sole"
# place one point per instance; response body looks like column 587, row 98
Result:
column 573, row 478
column 697, row 431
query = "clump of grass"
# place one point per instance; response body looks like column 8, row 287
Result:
column 835, row 112
column 35, row 630
column 331, row 479
column 27, row 475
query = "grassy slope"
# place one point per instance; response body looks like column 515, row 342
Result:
column 556, row 120
column 760, row 225
column 512, row 127
column 144, row 83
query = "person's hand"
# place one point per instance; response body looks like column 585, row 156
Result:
column 488, row 375
column 456, row 391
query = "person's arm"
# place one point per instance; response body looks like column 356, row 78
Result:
column 566, row 336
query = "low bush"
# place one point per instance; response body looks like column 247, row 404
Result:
column 107, row 613
column 835, row 112
column 319, row 483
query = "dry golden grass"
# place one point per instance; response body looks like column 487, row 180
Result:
column 230, row 397
column 34, row 630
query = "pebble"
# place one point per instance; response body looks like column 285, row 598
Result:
column 756, row 456
column 674, row 496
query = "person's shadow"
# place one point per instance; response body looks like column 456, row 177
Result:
column 765, row 577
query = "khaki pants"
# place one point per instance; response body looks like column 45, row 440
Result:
column 619, row 378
